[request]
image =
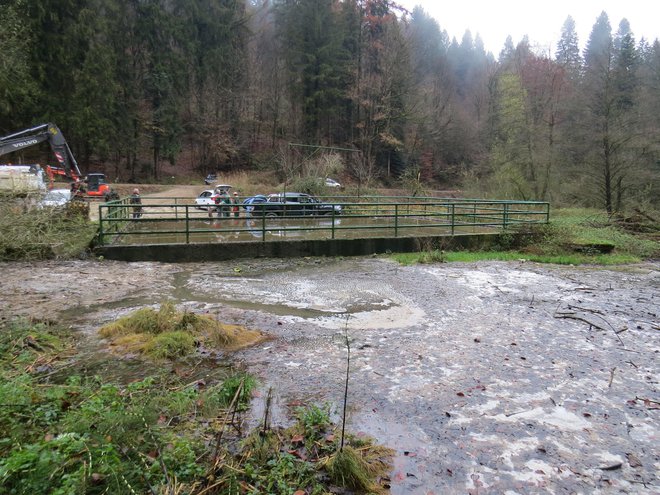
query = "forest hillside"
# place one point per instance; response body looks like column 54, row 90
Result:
column 144, row 89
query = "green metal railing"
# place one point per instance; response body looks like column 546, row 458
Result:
column 176, row 220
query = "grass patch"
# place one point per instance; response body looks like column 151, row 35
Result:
column 574, row 237
column 587, row 226
column 159, row 434
column 359, row 464
column 242, row 384
column 166, row 333
column 472, row 256
column 170, row 345
column 348, row 468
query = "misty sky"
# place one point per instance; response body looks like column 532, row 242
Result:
column 541, row 21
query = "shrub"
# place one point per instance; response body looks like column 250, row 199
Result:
column 30, row 233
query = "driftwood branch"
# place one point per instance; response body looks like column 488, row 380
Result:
column 348, row 368
column 586, row 310
column 576, row 316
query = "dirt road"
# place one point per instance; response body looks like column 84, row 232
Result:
column 486, row 377
column 153, row 194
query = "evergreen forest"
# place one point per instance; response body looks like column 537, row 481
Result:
column 148, row 88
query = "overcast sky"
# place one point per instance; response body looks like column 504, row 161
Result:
column 494, row 20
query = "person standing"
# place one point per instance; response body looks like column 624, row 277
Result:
column 136, row 201
column 226, row 204
column 223, row 204
column 234, row 205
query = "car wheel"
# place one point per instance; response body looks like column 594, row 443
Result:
column 271, row 214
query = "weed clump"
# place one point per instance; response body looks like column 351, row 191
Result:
column 170, row 345
column 348, row 468
column 241, row 384
column 143, row 320
column 433, row 256
column 307, row 456
column 167, row 333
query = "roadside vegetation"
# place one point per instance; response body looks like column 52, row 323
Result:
column 31, row 233
column 575, row 236
column 68, row 431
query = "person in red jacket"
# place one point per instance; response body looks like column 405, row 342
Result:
column 235, row 204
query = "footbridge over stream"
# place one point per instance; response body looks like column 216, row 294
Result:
column 176, row 230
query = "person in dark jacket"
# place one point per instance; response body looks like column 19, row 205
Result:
column 223, row 204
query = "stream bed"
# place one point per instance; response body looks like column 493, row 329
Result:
column 490, row 377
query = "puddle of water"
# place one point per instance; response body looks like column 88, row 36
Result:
column 327, row 304
column 217, row 289
column 251, row 228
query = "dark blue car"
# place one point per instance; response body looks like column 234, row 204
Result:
column 252, row 200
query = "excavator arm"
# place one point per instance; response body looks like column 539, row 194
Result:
column 35, row 135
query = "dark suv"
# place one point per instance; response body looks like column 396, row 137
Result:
column 294, row 204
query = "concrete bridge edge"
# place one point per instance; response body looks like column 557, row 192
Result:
column 181, row 253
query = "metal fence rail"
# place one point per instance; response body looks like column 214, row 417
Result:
column 176, row 220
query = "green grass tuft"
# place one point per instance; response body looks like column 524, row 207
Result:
column 226, row 393
column 348, row 468
column 170, row 345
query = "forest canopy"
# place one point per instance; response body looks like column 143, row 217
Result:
column 182, row 86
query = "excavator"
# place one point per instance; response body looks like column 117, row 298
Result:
column 92, row 186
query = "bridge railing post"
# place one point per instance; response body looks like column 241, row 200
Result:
column 263, row 225
column 396, row 220
column 101, row 225
column 187, row 225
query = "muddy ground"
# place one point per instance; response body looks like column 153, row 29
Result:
column 486, row 378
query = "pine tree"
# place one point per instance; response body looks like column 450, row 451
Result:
column 568, row 51
column 18, row 90
column 612, row 126
column 626, row 62
column 318, row 62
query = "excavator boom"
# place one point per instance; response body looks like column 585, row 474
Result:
column 94, row 185
column 35, row 135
